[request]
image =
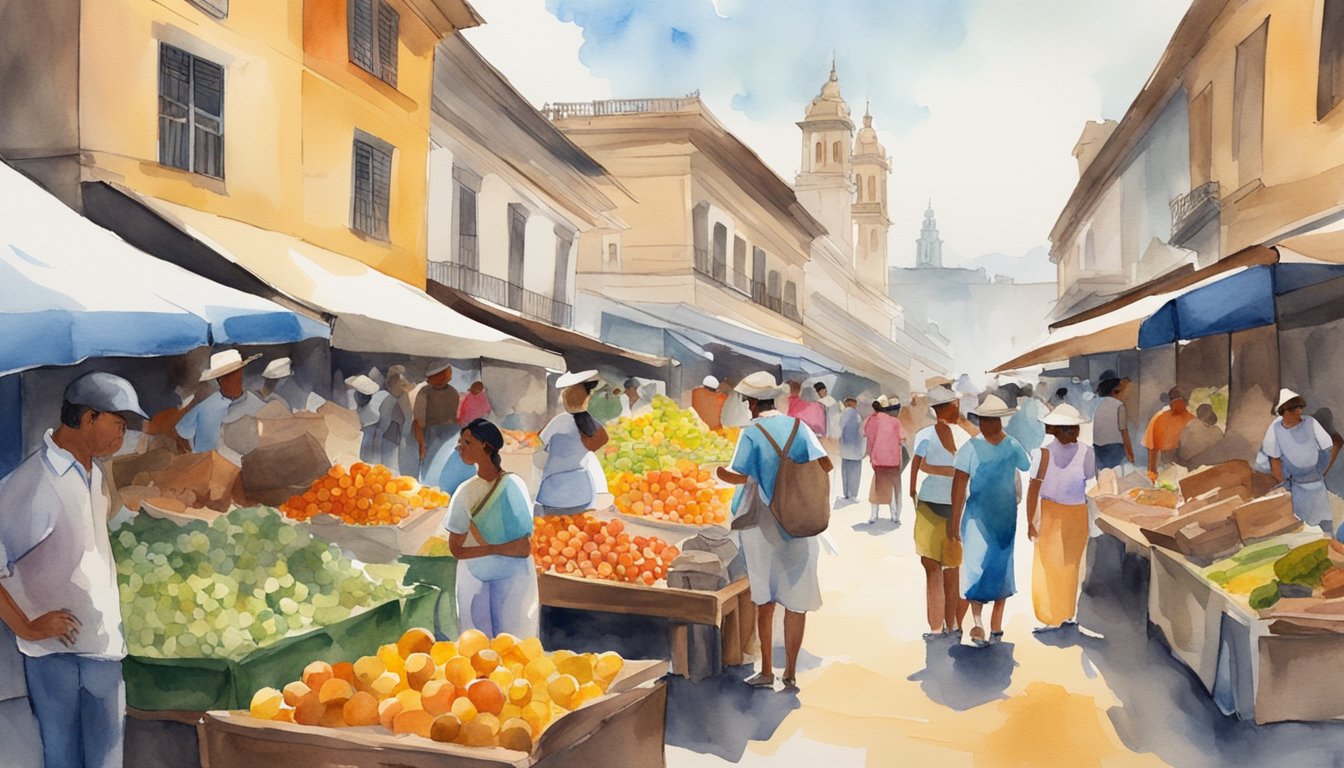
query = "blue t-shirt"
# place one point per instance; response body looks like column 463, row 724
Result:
column 757, row 459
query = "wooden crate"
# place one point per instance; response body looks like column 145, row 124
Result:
column 628, row 721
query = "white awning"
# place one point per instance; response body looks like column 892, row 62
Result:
column 374, row 312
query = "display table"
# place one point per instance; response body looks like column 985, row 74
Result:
column 730, row 610
column 625, row 725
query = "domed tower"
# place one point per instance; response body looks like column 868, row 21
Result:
column 871, row 168
column 928, row 248
column 823, row 185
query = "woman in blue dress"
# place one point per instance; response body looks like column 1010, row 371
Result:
column 984, row 515
column 567, row 485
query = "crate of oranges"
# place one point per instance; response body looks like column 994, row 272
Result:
column 686, row 495
column 586, row 547
column 481, row 700
column 370, row 512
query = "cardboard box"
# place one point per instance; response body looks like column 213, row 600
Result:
column 273, row 474
column 1207, row 541
column 282, row 429
column 1266, row 517
column 1164, row 535
column 207, row 477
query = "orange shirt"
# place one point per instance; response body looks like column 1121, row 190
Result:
column 1164, row 430
column 709, row 404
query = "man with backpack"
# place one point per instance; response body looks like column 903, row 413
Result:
column 781, row 508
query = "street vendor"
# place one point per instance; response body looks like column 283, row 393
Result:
column 567, row 485
column 490, row 533
column 278, row 386
column 58, row 583
column 1295, row 444
column 221, row 417
column 707, row 401
column 1164, row 429
column 375, row 407
column 435, row 423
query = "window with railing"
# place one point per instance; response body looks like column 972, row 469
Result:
column 741, row 280
column 467, row 253
column 502, row 292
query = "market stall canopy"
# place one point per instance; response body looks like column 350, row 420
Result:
column 373, row 312
column 71, row 290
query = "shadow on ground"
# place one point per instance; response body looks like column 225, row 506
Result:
column 880, row 528
column 720, row 714
column 962, row 676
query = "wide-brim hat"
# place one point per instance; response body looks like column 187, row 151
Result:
column 933, row 382
column 1064, row 415
column 711, row 382
column 438, row 366
column 362, row 384
column 278, row 368
column 993, row 407
column 941, row 396
column 579, row 377
column 882, row 401
column 760, row 386
column 1285, row 395
column 226, row 362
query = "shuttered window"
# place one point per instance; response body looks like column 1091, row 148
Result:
column 191, row 112
column 1330, row 83
column 371, row 186
column 217, row 8
column 374, row 28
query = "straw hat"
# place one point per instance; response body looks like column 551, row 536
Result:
column 1064, row 415
column 933, row 382
column 225, row 362
column 760, row 386
column 570, row 379
column 941, row 396
column 279, row 368
column 710, row 382
column 362, row 384
column 1285, row 395
column 882, row 402
column 992, row 407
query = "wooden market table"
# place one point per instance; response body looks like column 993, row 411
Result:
column 729, row 610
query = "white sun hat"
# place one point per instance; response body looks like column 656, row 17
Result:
column 570, row 379
column 279, row 368
column 941, row 395
column 226, row 362
column 363, row 384
column 993, row 407
column 1064, row 415
column 438, row 366
column 1285, row 395
column 760, row 386
column 711, row 382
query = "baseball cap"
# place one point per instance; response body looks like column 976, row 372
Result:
column 104, row 392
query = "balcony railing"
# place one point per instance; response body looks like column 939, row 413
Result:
column 1191, row 211
column 502, row 292
column 567, row 109
column 717, row 272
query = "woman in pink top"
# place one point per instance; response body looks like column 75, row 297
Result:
column 885, row 438
column 474, row 405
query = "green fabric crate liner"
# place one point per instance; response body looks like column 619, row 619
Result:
column 200, row 684
column 440, row 572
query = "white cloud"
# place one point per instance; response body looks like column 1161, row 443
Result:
column 537, row 52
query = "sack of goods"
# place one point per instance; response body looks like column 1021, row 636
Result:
column 698, row 570
column 717, row 542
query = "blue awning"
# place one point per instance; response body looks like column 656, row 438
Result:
column 71, row 290
column 1238, row 302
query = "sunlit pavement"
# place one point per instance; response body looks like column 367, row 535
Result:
column 874, row 693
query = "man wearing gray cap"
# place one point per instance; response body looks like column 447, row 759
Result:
column 58, row 583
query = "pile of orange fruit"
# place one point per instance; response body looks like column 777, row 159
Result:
column 363, row 495
column 477, row 691
column 685, row 495
column 582, row 545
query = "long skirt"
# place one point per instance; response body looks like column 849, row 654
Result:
column 1061, row 542
column 782, row 568
column 505, row 601
column 987, row 553
column 886, row 487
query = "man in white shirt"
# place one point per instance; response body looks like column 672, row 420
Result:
column 58, row 583
column 223, row 420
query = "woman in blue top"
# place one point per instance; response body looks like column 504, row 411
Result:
column 490, row 534
column 781, row 568
column 567, row 486
column 984, row 515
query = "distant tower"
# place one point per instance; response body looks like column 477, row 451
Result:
column 871, row 168
column 824, row 184
column 928, row 248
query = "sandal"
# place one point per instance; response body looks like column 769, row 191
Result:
column 937, row 635
column 761, row 680
column 995, row 637
column 791, row 683
column 978, row 637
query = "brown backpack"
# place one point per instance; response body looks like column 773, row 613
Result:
column 802, row 493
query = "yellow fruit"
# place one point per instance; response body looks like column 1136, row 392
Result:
column 361, row 709
column 387, row 710
column 315, row 674
column 538, row 715
column 415, row 640
column 471, row 641
column 587, row 692
column 530, row 648
column 392, row 658
column 464, row 709
column 503, row 643
column 442, row 651
column 416, row 721
column 516, row 734
column 560, row 656
column 520, row 693
column 577, row 667
column 266, row 703
column 538, row 671
column 489, row 721
column 501, row 677
column 437, row 696
column 459, row 672
column 285, row 715
column 484, row 662
column 335, row 691
column 410, row 700
column 419, row 670
column 608, row 666
column 477, row 734
column 562, row 689
column 295, row 691
column 385, row 685
column 446, row 728
column 367, row 669
column 509, row 712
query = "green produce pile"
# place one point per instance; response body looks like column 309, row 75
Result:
column 1305, row 565
column 1247, row 570
column 656, row 440
column 224, row 589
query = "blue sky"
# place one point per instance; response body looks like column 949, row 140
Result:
column 979, row 102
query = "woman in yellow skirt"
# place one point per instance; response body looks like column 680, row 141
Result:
column 1057, row 518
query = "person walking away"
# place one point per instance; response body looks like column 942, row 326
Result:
column 58, row 582
column 369, row 405
column 435, row 417
column 1110, row 423
column 885, row 437
column 1294, row 444
column 735, row 411
column 475, row 404
column 1164, row 430
column 278, row 386
column 936, row 447
column 984, row 515
column 221, row 418
column 1057, row 497
column 567, row 486
column 812, row 413
column 831, row 409
column 707, row 401
column 490, row 533
column 1025, row 426
column 782, row 569
column 853, row 447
